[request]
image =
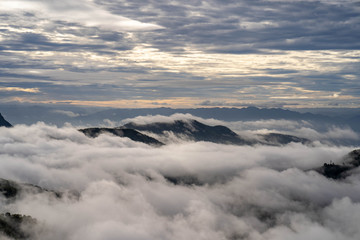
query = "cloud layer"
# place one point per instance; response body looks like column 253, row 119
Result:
column 124, row 187
column 121, row 53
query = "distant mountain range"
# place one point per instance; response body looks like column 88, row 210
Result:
column 191, row 130
column 77, row 116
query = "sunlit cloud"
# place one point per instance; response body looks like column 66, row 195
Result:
column 18, row 89
column 139, row 103
column 83, row 11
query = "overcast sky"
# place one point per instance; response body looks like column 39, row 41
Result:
column 174, row 53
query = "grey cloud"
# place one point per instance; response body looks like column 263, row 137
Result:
column 231, row 27
column 219, row 103
column 308, row 25
column 61, row 89
column 268, row 104
column 38, row 42
column 35, row 39
column 22, row 76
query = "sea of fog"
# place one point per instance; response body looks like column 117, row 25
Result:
column 115, row 188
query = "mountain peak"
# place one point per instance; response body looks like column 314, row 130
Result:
column 3, row 122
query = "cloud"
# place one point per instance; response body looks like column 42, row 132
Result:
column 341, row 132
column 160, row 48
column 85, row 12
column 160, row 118
column 216, row 24
column 18, row 89
column 260, row 192
column 67, row 113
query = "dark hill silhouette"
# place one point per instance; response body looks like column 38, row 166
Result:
column 17, row 226
column 11, row 225
column 122, row 132
column 11, row 190
column 193, row 130
column 3, row 122
column 282, row 139
column 197, row 131
column 340, row 171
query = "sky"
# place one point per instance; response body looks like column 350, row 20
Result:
column 116, row 53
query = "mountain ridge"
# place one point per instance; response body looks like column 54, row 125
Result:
column 122, row 132
column 82, row 116
column 194, row 130
column 197, row 131
column 191, row 130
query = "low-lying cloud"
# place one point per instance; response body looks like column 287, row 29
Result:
column 125, row 189
column 67, row 113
